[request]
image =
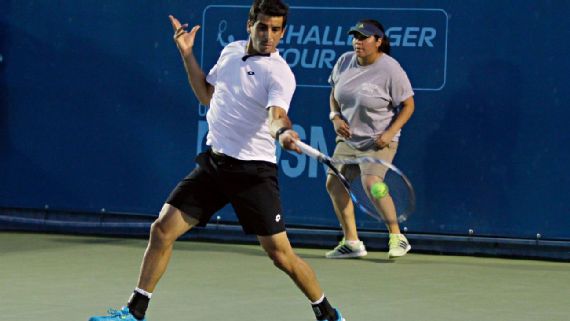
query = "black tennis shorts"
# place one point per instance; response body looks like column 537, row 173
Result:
column 251, row 187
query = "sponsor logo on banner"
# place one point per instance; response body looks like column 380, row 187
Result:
column 316, row 36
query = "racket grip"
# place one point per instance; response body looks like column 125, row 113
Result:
column 310, row 151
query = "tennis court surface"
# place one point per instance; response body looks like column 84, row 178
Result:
column 53, row 277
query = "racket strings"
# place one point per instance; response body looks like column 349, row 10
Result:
column 394, row 206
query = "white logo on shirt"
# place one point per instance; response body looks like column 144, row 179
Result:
column 369, row 89
column 277, row 217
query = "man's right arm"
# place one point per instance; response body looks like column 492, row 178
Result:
column 185, row 42
column 197, row 79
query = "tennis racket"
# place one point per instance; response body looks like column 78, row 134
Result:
column 387, row 196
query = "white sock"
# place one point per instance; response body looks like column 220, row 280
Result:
column 319, row 300
column 353, row 242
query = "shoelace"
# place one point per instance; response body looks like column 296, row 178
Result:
column 344, row 248
column 393, row 240
column 396, row 241
column 118, row 313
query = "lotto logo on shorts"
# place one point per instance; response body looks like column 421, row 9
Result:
column 277, row 217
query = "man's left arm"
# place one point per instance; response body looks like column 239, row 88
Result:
column 281, row 128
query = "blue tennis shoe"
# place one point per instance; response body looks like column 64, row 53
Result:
column 340, row 318
column 117, row 315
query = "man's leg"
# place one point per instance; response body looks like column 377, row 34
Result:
column 281, row 253
column 170, row 225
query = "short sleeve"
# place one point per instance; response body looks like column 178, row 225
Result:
column 333, row 78
column 281, row 87
column 401, row 88
column 212, row 76
column 333, row 75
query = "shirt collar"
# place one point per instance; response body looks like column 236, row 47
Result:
column 244, row 58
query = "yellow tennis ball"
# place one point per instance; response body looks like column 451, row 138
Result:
column 379, row 190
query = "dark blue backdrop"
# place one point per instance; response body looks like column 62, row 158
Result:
column 95, row 110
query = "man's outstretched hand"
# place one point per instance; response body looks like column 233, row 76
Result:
column 184, row 39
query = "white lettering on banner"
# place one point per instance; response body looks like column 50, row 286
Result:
column 399, row 36
column 319, row 58
column 291, row 168
column 222, row 26
column 297, row 168
column 321, row 36
column 324, row 58
column 315, row 39
column 408, row 37
column 291, row 32
column 313, row 36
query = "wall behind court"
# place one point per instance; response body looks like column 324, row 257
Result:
column 96, row 113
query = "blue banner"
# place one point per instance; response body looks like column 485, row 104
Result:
column 96, row 113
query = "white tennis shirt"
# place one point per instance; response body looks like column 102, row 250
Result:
column 244, row 90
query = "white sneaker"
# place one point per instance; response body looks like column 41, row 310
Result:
column 398, row 245
column 344, row 250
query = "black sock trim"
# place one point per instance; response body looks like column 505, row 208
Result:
column 138, row 303
column 324, row 311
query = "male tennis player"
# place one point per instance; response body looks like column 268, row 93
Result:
column 248, row 92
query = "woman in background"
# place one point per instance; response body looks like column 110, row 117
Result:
column 370, row 101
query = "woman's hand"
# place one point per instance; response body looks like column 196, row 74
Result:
column 341, row 127
column 384, row 139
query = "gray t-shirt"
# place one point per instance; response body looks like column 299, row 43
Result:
column 369, row 96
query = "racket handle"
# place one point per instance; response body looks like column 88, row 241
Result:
column 310, row 151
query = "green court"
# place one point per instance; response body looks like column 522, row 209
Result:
column 53, row 277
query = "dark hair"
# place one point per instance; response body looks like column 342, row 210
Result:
column 385, row 46
column 272, row 8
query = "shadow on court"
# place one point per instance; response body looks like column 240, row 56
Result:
column 183, row 246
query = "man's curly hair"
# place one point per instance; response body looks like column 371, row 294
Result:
column 272, row 8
